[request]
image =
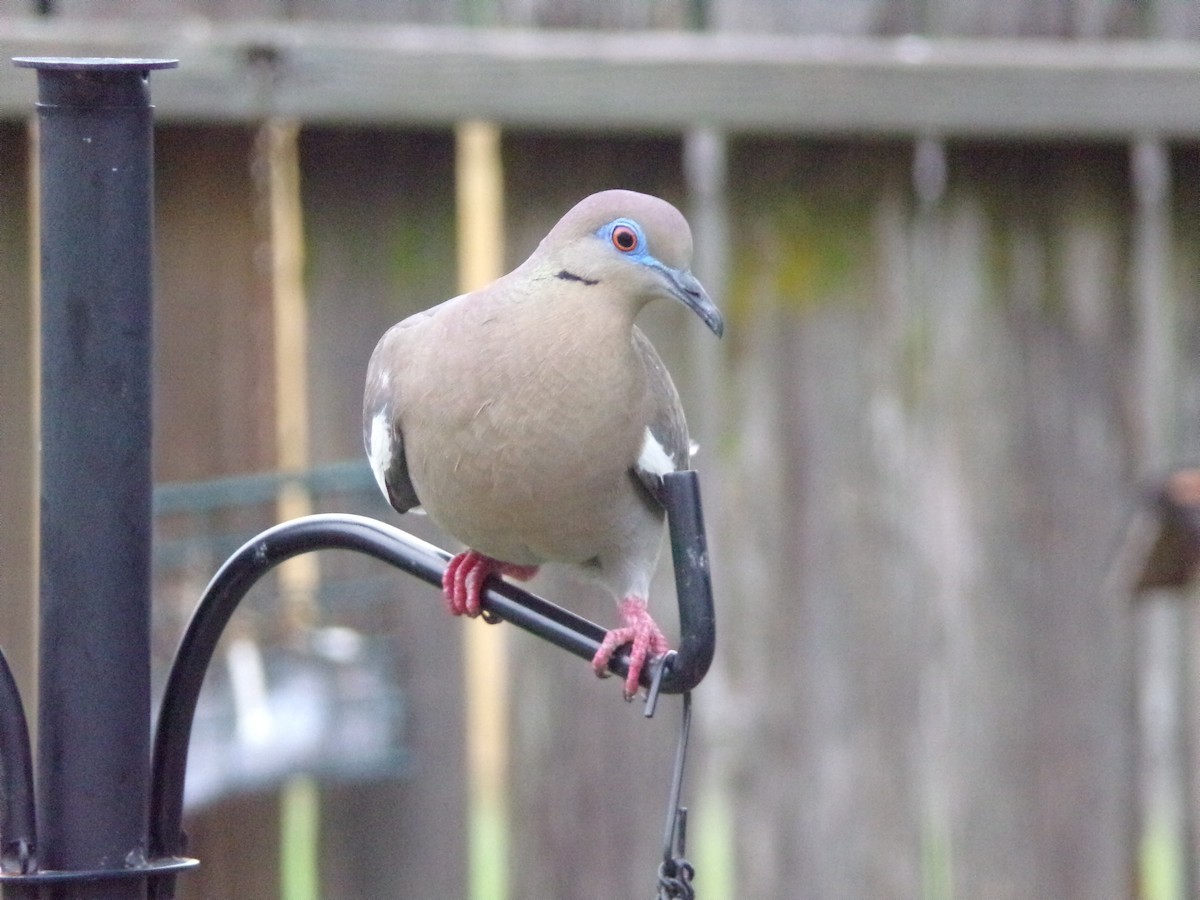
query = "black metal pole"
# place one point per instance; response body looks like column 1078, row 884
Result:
column 95, row 140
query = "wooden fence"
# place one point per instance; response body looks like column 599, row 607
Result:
column 960, row 271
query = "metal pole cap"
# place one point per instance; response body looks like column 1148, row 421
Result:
column 69, row 81
column 92, row 63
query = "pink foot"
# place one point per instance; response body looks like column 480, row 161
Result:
column 639, row 630
column 465, row 574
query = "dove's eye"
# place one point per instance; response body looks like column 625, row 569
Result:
column 625, row 239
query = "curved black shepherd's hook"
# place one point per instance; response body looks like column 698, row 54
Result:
column 416, row 557
column 18, row 822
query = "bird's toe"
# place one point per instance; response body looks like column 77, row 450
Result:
column 645, row 638
column 462, row 582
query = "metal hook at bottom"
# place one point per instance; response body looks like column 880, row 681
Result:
column 675, row 873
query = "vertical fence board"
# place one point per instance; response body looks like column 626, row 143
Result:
column 1186, row 160
column 1186, row 289
column 379, row 214
column 212, row 304
column 380, row 223
column 213, row 414
column 17, row 415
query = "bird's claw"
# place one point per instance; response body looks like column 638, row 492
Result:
column 462, row 582
column 645, row 638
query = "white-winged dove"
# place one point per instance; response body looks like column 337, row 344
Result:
column 533, row 420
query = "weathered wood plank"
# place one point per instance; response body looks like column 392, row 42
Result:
column 925, row 463
column 1079, row 18
column 212, row 415
column 212, row 303
column 379, row 243
column 651, row 81
column 547, row 13
column 18, row 488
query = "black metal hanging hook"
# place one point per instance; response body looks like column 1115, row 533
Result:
column 675, row 873
column 677, row 673
column 693, row 584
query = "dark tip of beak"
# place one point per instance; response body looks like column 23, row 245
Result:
column 695, row 298
column 702, row 306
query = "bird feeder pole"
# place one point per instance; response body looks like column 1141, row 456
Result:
column 93, row 771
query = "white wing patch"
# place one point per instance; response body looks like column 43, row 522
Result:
column 381, row 449
column 653, row 458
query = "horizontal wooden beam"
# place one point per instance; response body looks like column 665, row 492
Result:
column 645, row 81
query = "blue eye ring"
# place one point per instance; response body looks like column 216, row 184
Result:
column 626, row 237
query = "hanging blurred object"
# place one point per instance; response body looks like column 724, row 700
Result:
column 1174, row 555
column 323, row 698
